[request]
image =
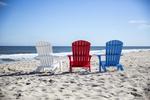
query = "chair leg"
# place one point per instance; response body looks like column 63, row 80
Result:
column 99, row 57
column 40, row 69
column 70, row 69
column 100, row 68
column 104, row 68
column 119, row 66
column 90, row 69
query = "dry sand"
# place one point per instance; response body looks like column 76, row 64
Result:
column 16, row 81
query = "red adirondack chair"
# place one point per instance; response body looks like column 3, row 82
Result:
column 80, row 57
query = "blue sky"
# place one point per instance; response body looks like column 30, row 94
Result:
column 24, row 22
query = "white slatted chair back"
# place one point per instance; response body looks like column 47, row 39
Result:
column 44, row 50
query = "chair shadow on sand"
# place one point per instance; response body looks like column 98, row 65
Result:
column 48, row 73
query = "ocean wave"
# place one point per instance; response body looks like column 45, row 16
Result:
column 18, row 57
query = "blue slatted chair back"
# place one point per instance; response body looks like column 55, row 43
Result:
column 113, row 52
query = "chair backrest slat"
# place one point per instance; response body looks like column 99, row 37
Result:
column 113, row 52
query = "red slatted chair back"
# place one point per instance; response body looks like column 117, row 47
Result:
column 81, row 49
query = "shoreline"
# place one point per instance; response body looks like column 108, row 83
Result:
column 10, row 58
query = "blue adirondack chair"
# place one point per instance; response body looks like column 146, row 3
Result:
column 113, row 53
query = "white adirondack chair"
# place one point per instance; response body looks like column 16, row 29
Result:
column 44, row 50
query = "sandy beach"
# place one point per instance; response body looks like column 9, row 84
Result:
column 17, row 81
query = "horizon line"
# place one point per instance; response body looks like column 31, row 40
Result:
column 71, row 45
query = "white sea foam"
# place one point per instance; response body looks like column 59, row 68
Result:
column 33, row 55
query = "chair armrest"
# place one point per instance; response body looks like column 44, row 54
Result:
column 99, row 57
column 90, row 56
column 100, row 61
column 70, row 56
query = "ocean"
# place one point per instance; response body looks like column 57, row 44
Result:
column 56, row 49
column 17, row 53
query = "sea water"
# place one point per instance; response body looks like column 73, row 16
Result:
column 15, row 53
